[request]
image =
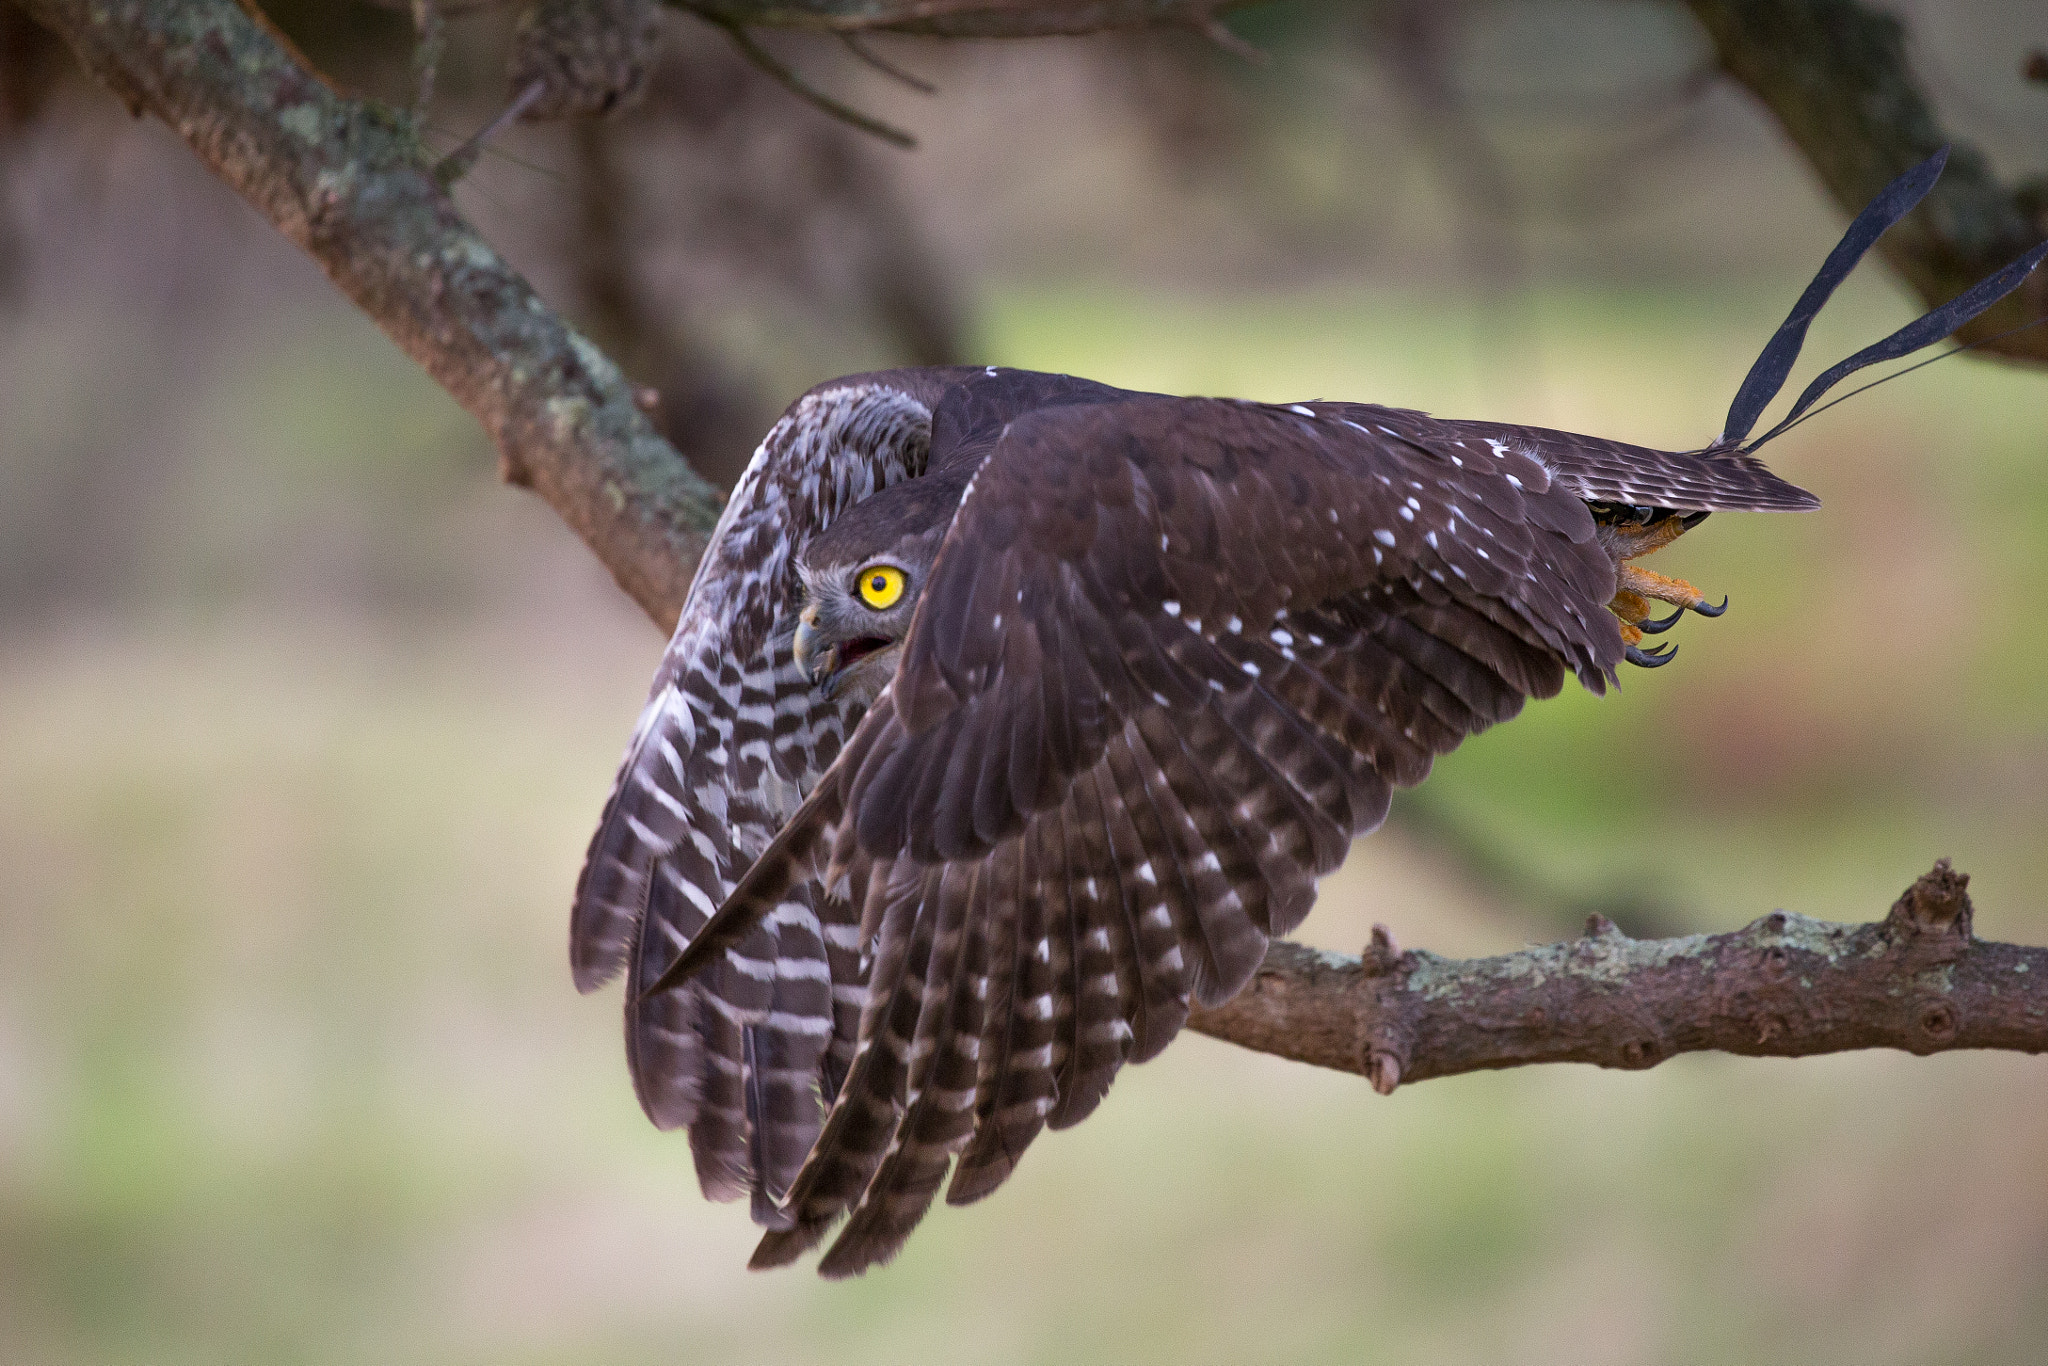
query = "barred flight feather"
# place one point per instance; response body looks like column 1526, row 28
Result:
column 732, row 735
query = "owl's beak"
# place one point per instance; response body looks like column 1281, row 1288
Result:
column 817, row 661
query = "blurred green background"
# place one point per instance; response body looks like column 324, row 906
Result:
column 304, row 722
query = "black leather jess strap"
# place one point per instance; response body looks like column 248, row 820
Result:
column 1894, row 202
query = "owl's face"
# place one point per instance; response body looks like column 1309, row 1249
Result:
column 862, row 578
column 851, row 629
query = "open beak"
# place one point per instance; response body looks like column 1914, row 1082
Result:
column 818, row 662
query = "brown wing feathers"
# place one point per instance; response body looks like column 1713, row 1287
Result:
column 1014, row 1086
column 1173, row 656
column 1107, row 773
column 940, row 1086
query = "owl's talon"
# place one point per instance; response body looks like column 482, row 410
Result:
column 1657, row 628
column 1706, row 611
column 1650, row 659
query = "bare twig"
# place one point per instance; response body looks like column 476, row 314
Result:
column 460, row 162
column 810, row 94
column 859, row 48
column 960, row 18
column 431, row 28
column 1221, row 34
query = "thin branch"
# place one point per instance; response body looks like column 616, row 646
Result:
column 859, row 48
column 1783, row 987
column 460, row 162
column 1221, row 34
column 347, row 181
column 430, row 46
column 810, row 94
column 1836, row 76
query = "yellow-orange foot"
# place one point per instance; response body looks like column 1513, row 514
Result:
column 1637, row 588
column 1639, row 583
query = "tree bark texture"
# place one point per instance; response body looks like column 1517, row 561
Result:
column 348, row 182
column 1784, row 986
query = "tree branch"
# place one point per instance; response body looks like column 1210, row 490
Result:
column 348, row 182
column 1783, row 987
column 1835, row 75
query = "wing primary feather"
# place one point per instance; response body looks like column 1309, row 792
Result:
column 764, row 1209
column 1066, row 924
column 1161, row 961
column 1162, row 819
column 1231, row 897
column 1119, row 919
column 1308, row 831
column 990, row 1049
column 1010, row 1109
column 864, row 1114
column 903, row 1186
column 756, row 894
column 1100, row 1030
column 718, row 1135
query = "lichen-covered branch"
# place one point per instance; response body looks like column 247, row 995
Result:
column 1784, row 986
column 349, row 183
column 1836, row 76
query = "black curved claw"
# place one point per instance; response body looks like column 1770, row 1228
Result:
column 1707, row 611
column 1650, row 659
column 1658, row 628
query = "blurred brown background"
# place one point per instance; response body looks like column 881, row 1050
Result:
column 304, row 720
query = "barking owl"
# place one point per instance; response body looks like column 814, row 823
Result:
column 1010, row 714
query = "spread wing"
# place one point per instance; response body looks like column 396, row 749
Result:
column 1173, row 656
column 731, row 738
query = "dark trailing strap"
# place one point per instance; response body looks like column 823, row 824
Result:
column 1813, row 413
column 1767, row 376
column 1923, row 331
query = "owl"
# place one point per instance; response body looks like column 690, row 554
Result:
column 1012, row 714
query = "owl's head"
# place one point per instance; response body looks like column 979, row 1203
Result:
column 862, row 577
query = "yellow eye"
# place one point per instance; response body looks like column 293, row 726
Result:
column 881, row 585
